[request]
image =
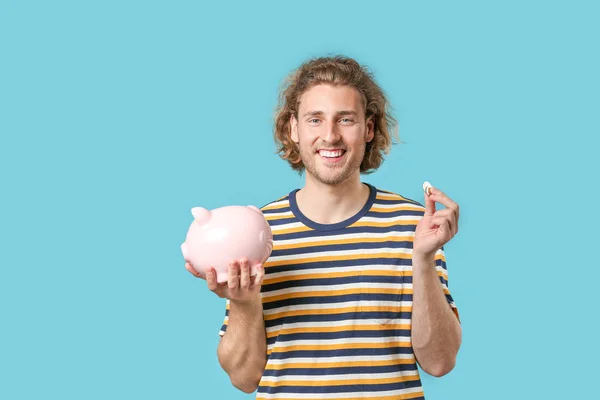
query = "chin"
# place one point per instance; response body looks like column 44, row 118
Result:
column 333, row 179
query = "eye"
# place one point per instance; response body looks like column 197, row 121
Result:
column 313, row 120
column 347, row 120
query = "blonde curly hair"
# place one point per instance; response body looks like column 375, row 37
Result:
column 338, row 71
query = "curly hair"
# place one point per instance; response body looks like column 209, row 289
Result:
column 337, row 71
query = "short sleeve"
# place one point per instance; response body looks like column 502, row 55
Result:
column 225, row 320
column 442, row 270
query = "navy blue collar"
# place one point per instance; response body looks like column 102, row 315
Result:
column 330, row 227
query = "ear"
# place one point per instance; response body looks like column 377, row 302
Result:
column 294, row 128
column 370, row 129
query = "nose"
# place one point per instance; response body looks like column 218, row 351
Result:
column 330, row 132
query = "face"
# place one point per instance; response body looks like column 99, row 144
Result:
column 331, row 132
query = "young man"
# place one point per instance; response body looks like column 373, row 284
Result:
column 355, row 292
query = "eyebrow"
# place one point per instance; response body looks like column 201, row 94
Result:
column 342, row 112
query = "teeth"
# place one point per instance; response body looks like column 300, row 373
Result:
column 330, row 154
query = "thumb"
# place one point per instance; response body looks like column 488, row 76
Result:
column 429, row 203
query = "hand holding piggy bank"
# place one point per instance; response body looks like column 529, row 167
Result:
column 218, row 237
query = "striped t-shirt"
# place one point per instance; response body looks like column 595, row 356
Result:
column 337, row 302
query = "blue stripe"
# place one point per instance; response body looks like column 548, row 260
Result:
column 283, row 221
column 340, row 353
column 337, row 263
column 277, row 210
column 409, row 279
column 398, row 213
column 376, row 387
column 384, row 243
column 358, row 316
column 397, row 202
column 332, row 282
column 330, row 299
column 342, row 370
column 340, row 335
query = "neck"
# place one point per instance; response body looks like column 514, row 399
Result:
column 330, row 204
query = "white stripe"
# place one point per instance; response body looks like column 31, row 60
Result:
column 326, row 306
column 330, row 288
column 350, row 340
column 339, row 377
column 278, row 203
column 279, row 214
column 403, row 205
column 386, row 218
column 323, row 360
column 276, row 228
column 389, row 195
column 329, row 324
column 340, row 253
column 331, row 394
column 325, row 272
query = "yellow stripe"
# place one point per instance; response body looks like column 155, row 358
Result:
column 327, row 293
column 330, row 311
column 371, row 224
column 302, row 228
column 276, row 217
column 341, row 364
column 330, row 329
column 276, row 206
column 371, row 381
column 389, row 254
column 441, row 273
column 407, row 396
column 325, row 242
column 337, row 258
column 388, row 196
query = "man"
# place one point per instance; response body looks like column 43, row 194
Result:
column 355, row 292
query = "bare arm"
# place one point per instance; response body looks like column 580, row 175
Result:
column 436, row 331
column 242, row 351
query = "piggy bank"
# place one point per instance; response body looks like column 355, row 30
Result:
column 225, row 234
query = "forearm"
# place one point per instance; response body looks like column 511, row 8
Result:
column 436, row 331
column 242, row 351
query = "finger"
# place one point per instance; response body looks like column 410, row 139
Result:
column 451, row 216
column 233, row 280
column 260, row 274
column 245, row 274
column 192, row 271
column 429, row 204
column 211, row 279
column 441, row 197
column 445, row 229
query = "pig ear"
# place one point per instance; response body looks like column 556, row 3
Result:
column 255, row 209
column 201, row 215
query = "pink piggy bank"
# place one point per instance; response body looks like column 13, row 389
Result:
column 226, row 234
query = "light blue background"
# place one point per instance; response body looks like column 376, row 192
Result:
column 117, row 117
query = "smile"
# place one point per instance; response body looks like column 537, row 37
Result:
column 332, row 155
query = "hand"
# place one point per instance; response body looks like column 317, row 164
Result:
column 436, row 228
column 240, row 286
